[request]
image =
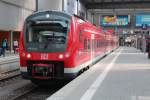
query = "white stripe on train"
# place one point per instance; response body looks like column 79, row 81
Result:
column 70, row 70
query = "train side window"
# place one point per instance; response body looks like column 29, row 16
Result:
column 80, row 36
column 93, row 44
column 100, row 43
column 97, row 43
column 85, row 44
column 104, row 43
column 88, row 44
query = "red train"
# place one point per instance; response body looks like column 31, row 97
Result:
column 58, row 46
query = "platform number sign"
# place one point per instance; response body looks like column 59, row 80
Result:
column 44, row 56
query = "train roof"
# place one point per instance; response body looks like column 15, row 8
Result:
column 39, row 13
column 61, row 13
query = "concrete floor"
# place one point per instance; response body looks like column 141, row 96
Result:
column 122, row 75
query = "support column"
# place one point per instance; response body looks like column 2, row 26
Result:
column 78, row 7
column 36, row 9
column 11, row 41
column 63, row 8
column 93, row 20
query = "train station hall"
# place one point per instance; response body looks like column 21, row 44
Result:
column 74, row 50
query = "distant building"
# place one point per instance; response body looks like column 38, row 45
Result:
column 13, row 14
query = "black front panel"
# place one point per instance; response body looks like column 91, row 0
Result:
column 45, row 69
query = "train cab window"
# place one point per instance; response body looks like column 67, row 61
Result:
column 47, row 35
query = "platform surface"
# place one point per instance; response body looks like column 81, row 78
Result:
column 122, row 75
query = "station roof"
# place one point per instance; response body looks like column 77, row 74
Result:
column 114, row 4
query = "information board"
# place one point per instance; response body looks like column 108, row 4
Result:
column 142, row 20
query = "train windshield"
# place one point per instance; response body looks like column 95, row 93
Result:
column 47, row 35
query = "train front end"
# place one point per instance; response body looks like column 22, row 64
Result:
column 43, row 47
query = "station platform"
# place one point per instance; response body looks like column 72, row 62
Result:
column 122, row 75
column 9, row 53
column 8, row 57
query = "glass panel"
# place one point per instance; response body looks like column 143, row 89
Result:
column 47, row 35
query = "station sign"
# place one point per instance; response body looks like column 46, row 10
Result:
column 118, row 20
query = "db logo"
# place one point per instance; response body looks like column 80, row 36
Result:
column 44, row 56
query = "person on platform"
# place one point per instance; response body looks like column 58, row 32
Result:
column 4, row 46
column 15, row 46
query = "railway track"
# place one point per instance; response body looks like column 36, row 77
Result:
column 40, row 92
column 22, row 89
column 9, row 77
column 9, row 70
column 12, row 85
column 9, row 74
column 25, row 90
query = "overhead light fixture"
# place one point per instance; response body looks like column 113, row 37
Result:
column 47, row 15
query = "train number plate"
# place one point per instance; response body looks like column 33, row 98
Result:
column 44, row 56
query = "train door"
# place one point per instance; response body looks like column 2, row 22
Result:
column 92, row 48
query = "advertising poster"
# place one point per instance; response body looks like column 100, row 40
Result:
column 119, row 20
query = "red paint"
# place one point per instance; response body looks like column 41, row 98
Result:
column 76, row 45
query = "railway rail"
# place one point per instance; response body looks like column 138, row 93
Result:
column 9, row 74
column 40, row 92
column 9, row 68
column 9, row 71
column 9, row 77
column 25, row 88
column 12, row 85
column 30, row 91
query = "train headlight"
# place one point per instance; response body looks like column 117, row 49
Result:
column 61, row 56
column 28, row 56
